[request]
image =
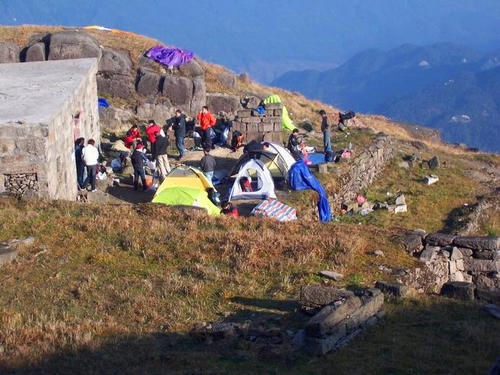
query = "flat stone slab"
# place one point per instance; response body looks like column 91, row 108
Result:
column 318, row 295
column 440, row 239
column 7, row 255
column 332, row 275
column 478, row 243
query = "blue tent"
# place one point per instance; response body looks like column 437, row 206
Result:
column 301, row 178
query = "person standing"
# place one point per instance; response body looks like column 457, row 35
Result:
column 137, row 159
column 80, row 164
column 179, row 126
column 325, row 128
column 160, row 154
column 151, row 131
column 207, row 121
column 90, row 156
column 208, row 164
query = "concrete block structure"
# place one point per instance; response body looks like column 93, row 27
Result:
column 256, row 127
column 44, row 107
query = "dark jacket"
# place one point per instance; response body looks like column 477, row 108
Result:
column 162, row 144
column 137, row 159
column 208, row 163
column 325, row 126
column 293, row 146
column 179, row 126
column 78, row 156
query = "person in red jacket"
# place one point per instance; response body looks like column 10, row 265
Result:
column 151, row 131
column 207, row 121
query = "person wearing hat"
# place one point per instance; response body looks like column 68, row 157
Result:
column 137, row 159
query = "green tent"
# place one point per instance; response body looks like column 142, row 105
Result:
column 184, row 196
column 287, row 122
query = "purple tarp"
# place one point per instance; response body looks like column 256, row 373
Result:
column 170, row 56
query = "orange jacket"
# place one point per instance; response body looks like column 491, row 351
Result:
column 207, row 120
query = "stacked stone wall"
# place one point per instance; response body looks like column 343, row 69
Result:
column 260, row 127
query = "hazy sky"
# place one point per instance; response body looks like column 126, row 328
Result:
column 272, row 37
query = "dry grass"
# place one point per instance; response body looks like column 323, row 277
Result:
column 121, row 270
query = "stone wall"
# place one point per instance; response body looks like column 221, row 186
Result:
column 364, row 169
column 342, row 315
column 46, row 107
column 256, row 127
column 451, row 258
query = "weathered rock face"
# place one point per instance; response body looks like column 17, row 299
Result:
column 192, row 69
column 223, row 102
column 179, row 90
column 9, row 52
column 115, row 118
column 228, row 79
column 115, row 68
column 36, row 52
column 66, row 45
column 115, row 62
column 158, row 111
column 148, row 82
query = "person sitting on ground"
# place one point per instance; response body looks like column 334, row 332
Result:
column 229, row 210
column 294, row 144
column 90, row 155
column 208, row 164
column 160, row 154
column 132, row 137
column 151, row 131
column 236, row 140
column 246, row 184
column 137, row 159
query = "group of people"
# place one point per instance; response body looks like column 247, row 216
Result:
column 87, row 159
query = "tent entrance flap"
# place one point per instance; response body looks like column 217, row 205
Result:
column 260, row 182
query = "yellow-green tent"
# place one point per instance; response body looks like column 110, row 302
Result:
column 287, row 122
column 186, row 186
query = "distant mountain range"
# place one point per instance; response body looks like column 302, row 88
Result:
column 445, row 86
column 270, row 38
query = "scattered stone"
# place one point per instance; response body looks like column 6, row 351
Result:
column 404, row 164
column 401, row 208
column 379, row 253
column 431, row 179
column 400, row 200
column 493, row 310
column 413, row 242
column 394, row 289
column 429, row 254
column 458, row 290
column 434, row 163
column 385, row 269
column 332, row 275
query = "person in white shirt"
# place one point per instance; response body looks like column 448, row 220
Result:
column 90, row 156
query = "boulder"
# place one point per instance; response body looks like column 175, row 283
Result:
column 36, row 52
column 434, row 163
column 458, row 290
column 481, row 265
column 431, row 179
column 250, row 102
column 440, row 239
column 318, row 295
column 114, row 84
column 114, row 119
column 160, row 112
column 394, row 289
column 115, row 62
column 228, row 79
column 223, row 103
column 9, row 52
column 73, row 45
column 400, row 200
column 478, row 243
column 148, row 82
column 429, row 254
column 178, row 89
column 193, row 68
column 199, row 95
column 244, row 78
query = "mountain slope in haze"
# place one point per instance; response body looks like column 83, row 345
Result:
column 442, row 86
column 270, row 39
